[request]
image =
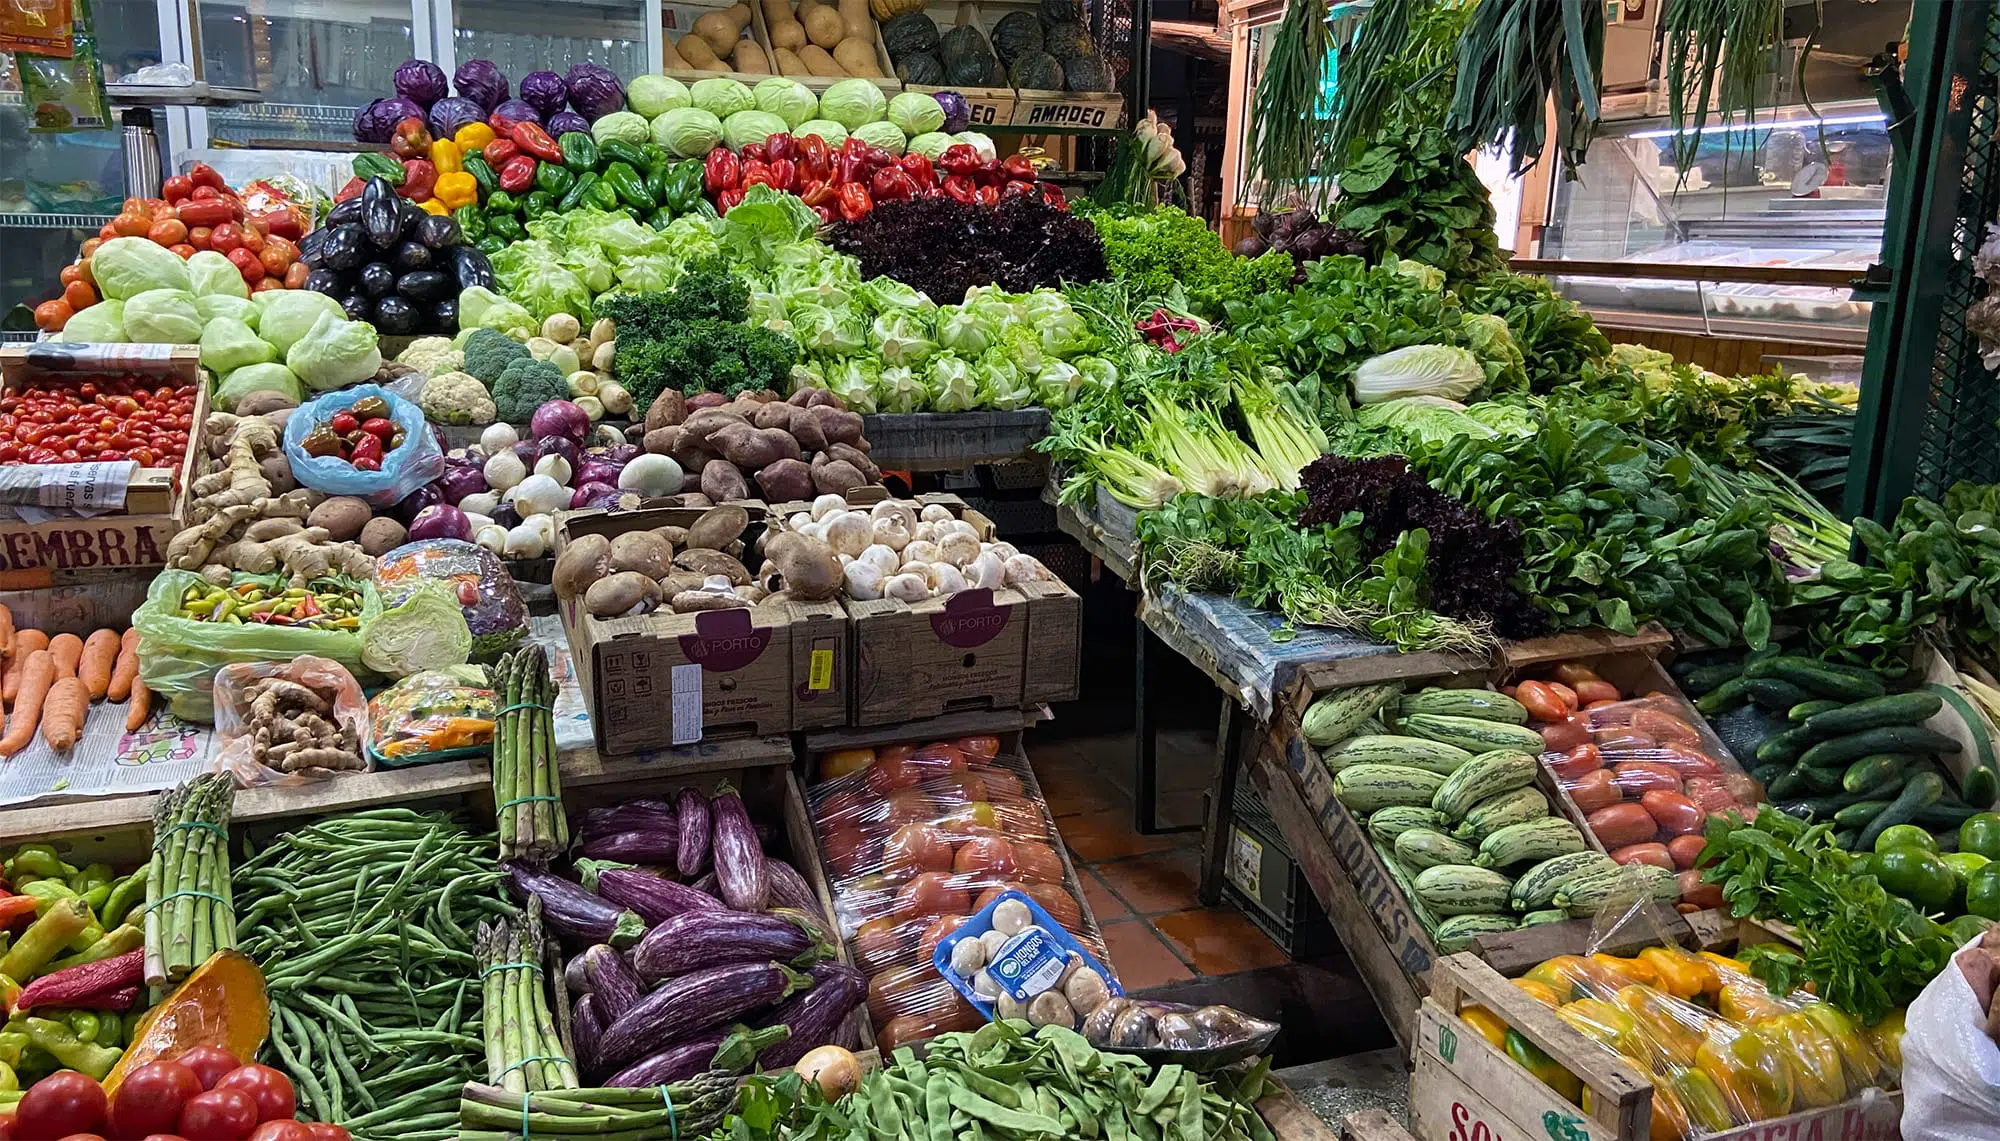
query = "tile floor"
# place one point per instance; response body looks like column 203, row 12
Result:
column 1142, row 888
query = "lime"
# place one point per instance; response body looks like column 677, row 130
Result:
column 1982, row 893
column 1922, row 877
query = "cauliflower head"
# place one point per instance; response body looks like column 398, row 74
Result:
column 456, row 398
column 432, row 356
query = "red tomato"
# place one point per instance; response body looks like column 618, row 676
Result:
column 209, row 1064
column 1542, row 702
column 164, row 1137
column 276, row 261
column 246, row 263
column 271, row 1090
column 1622, row 825
column 934, row 931
column 915, row 848
column 1647, row 853
column 1036, row 862
column 322, row 1131
column 1564, row 694
column 1675, row 814
column 905, row 806
column 83, row 1137
column 999, row 782
column 281, row 1129
column 151, row 1097
column 63, row 1103
column 226, row 237
column 1593, row 691
column 1577, row 762
column 915, row 989
column 1564, row 734
column 956, row 788
column 891, row 773
column 1665, row 727
column 219, row 1115
column 1573, row 673
column 940, row 755
column 1686, row 850
column 1636, row 778
column 931, row 893
column 846, row 850
column 1698, row 893
column 878, row 942
column 984, row 856
column 983, row 748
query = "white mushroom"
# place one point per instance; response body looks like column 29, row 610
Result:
column 927, row 531
column 864, row 580
column 936, row 513
column 1023, row 568
column 921, row 551
column 895, row 509
column 958, row 527
column 985, row 571
column 826, row 505
column 967, row 956
column 798, row 520
column 1004, row 549
column 958, row 548
column 1011, row 916
column 944, row 579
column 847, row 532
column 885, row 560
column 892, row 531
column 906, row 587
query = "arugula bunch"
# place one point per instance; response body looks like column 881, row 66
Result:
column 1865, row 951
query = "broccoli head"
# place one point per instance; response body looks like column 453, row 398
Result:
column 488, row 352
column 525, row 385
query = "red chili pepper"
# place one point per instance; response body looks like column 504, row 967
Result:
column 420, row 177
column 533, row 140
column 784, row 174
column 986, row 196
column 877, row 158
column 891, row 184
column 781, row 146
column 960, row 159
column 814, row 161
column 919, row 168
column 519, row 174
column 756, row 152
column 818, row 192
column 854, row 202
column 1053, row 195
column 366, row 448
column 352, row 189
column 202, row 174
column 367, row 463
column 411, row 139
column 499, row 151
column 990, row 174
column 720, row 171
column 728, row 200
column 960, row 188
column 1018, row 166
column 1015, row 188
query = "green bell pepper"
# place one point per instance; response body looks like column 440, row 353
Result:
column 602, row 197
column 579, row 151
column 490, row 244
column 539, row 202
column 579, row 194
column 656, row 180
column 660, row 219
column 630, row 187
column 656, row 156
column 684, row 186
column 506, row 227
column 63, row 1044
column 501, row 202
column 554, row 179
column 375, row 164
column 475, row 164
column 471, row 222
column 618, row 150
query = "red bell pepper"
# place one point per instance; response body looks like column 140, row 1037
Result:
column 877, row 158
column 499, row 151
column 728, row 200
column 1015, row 188
column 817, row 192
column 351, row 189
column 420, row 178
column 813, row 159
column 781, row 146
column 891, row 184
column 986, row 196
column 366, row 448
column 960, row 188
column 1053, row 195
column 855, row 204
column 755, row 151
column 757, row 172
column 518, row 176
column 784, row 174
column 1018, row 166
column 990, row 174
column 533, row 140
column 850, row 167
column 720, row 171
column 919, row 168
column 959, row 159
column 411, row 139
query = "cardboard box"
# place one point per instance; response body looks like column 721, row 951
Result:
column 138, row 534
column 664, row 679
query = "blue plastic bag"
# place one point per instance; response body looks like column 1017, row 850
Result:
column 419, row 461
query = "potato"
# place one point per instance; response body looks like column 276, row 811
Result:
column 722, row 480
column 258, row 403
column 668, row 408
column 857, row 57
column 837, row 477
column 343, row 516
column 278, row 416
column 715, row 65
column 840, row 427
column 718, row 527
column 584, row 560
column 670, row 57
column 619, row 594
column 642, row 551
column 277, row 471
column 786, row 480
column 382, row 535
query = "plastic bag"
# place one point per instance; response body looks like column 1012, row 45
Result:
column 1951, row 1065
column 432, row 716
column 233, row 723
column 417, row 462
column 179, row 656
column 494, row 611
column 1201, row 1038
column 915, row 840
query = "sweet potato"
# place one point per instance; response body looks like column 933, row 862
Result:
column 668, row 408
column 707, row 421
column 100, row 654
column 753, row 448
column 858, row 458
column 805, row 428
column 772, row 415
column 701, row 400
column 836, row 477
column 840, row 427
column 722, row 481
column 786, row 480
column 127, row 668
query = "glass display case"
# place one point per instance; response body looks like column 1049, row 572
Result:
column 1783, row 211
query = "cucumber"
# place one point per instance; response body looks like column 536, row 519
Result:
column 1765, row 774
column 1982, row 780
column 1823, row 781
column 1942, row 815
column 1775, row 693
column 1390, row 749
column 1874, row 770
column 1786, row 746
column 1366, row 788
column 1420, row 849
column 1793, row 783
column 1821, row 679
column 1482, row 778
column 1538, row 885
column 1919, row 792
column 1458, row 932
column 1473, row 734
column 1858, row 814
column 1385, row 824
column 1491, row 815
column 1530, row 840
column 1338, row 713
column 1982, row 785
column 1583, row 897
column 1742, row 730
column 1724, row 697
column 1822, row 807
column 1891, row 739
column 1704, row 679
column 1875, row 713
column 1461, row 889
column 1483, row 704
column 1846, row 840
column 1547, row 915
column 1805, row 709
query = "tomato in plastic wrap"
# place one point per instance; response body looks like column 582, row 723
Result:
column 904, row 806
column 913, row 989
column 907, row 1028
column 1710, row 793
column 915, row 848
column 999, row 782
column 987, row 856
column 841, row 809
column 890, row 773
column 985, row 747
column 1686, row 850
column 846, row 850
column 933, row 932
column 931, row 893
column 841, row 762
column 1675, row 814
column 1577, row 762
column 1036, row 862
column 1648, row 852
column 941, row 756
column 1688, row 759
column 1562, row 736
column 1746, row 790
column 1635, row 778
column 971, row 819
column 1595, row 790
column 879, row 942
column 956, row 788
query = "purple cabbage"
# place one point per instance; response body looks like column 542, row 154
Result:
column 573, row 911
column 376, row 123
column 545, row 91
column 813, row 1017
column 612, row 980
column 655, row 898
column 412, row 505
column 696, row 939
column 692, row 859
column 957, row 112
column 594, row 91
column 448, row 115
column 563, row 122
column 480, row 81
column 420, row 81
column 517, row 111
column 655, row 847
column 693, row 1003
column 733, row 1050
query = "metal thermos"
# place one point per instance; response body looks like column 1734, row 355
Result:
column 142, row 153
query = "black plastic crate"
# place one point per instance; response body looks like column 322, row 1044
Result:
column 1065, row 560
column 1266, row 884
column 1016, row 517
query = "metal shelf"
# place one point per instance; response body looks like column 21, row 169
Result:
column 53, row 221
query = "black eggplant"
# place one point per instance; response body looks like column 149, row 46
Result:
column 309, row 247
column 377, row 279
column 382, row 213
column 438, row 231
column 445, row 315
column 357, row 306
column 344, row 212
column 572, row 910
column 407, row 217
column 505, row 515
column 425, row 285
column 471, row 267
column 395, row 316
column 408, row 257
column 346, row 248
column 326, row 281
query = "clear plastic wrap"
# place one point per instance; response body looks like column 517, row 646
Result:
column 236, row 725
column 916, row 838
column 432, row 716
column 1199, row 1037
column 1645, row 773
column 494, row 611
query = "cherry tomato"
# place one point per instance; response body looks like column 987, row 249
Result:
column 271, row 1090
column 209, row 1064
column 281, row 1129
column 219, row 1115
column 63, row 1103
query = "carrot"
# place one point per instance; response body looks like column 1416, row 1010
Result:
column 100, row 653
column 141, row 707
column 127, row 667
column 6, row 631
column 36, row 677
column 26, row 642
column 67, row 650
column 62, row 713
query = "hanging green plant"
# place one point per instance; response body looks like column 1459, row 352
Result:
column 1290, row 139
column 1514, row 55
column 1717, row 59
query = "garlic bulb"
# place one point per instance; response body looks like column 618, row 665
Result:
column 864, row 580
column 825, row 505
column 906, row 587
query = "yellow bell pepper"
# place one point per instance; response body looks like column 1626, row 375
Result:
column 1864, row 1067
column 1747, row 1001
column 1886, row 1037
column 473, row 137
column 1674, row 1029
column 1706, row 1107
column 1818, row 1079
column 1544, row 1068
column 433, row 206
column 1487, row 1023
column 1539, row 991
column 1727, row 965
column 447, row 156
column 1750, row 1070
column 1603, row 1022
column 1680, row 974
column 1628, row 970
column 1572, row 976
column 456, row 189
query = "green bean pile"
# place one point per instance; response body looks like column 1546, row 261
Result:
column 364, row 927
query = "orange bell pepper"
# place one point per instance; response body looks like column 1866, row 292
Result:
column 1539, row 991
column 1818, row 1077
column 1572, row 976
column 1727, row 965
column 1630, row 970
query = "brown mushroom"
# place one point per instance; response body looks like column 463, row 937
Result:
column 717, row 526
column 711, row 562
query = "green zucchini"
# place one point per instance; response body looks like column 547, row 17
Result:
column 1858, row 814
column 1482, row 778
column 1473, row 734
column 1919, row 792
column 1529, row 840
column 1822, row 807
column 1890, row 739
column 1724, row 697
column 1775, row 693
column 1483, row 704
column 1458, row 932
column 1420, row 849
column 1461, row 889
column 1821, row 679
column 1822, row 781
column 1583, row 897
column 1546, row 915
column 1390, row 749
column 1875, row 713
column 1874, row 770
column 1495, row 813
column 1704, row 679
column 1385, row 824
column 1367, row 788
column 1805, row 709
column 1846, row 840
column 1538, row 885
column 1785, row 747
column 1338, row 713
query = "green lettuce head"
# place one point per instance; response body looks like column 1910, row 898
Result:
column 212, row 275
column 831, row 132
column 123, row 268
column 222, row 305
column 228, row 344
column 335, row 353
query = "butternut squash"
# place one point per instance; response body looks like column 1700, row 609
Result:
column 785, row 30
column 670, row 56
column 822, row 25
column 818, row 62
column 789, row 63
column 856, row 56
column 750, row 59
column 855, row 22
column 221, row 1004
column 719, row 31
column 695, row 50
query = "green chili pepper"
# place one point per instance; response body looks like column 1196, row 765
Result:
column 501, row 202
column 684, row 186
column 374, row 164
column 579, row 193
column 35, row 860
column 656, row 183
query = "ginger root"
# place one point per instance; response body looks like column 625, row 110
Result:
column 290, row 729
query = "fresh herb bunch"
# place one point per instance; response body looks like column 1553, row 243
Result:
column 1513, row 56
column 945, row 247
column 1155, row 251
column 1864, row 950
column 1555, row 334
column 693, row 337
column 1415, row 195
column 1397, row 73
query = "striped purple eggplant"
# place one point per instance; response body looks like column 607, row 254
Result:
column 733, row 1050
column 655, row 898
column 790, row 889
column 586, row 1026
column 706, row 884
column 612, row 980
column 692, row 1003
column 739, row 858
column 815, row 1016
column 654, row 846
column 571, row 910
column 692, row 859
column 697, row 939
column 631, row 816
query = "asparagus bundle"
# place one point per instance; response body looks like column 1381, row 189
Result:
column 527, row 790
column 684, row 1109
column 523, row 1050
column 189, row 909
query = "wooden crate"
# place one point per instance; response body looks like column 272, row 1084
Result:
column 1036, row 111
column 951, row 441
column 138, row 534
column 989, row 109
column 1461, row 1086
column 1371, row 1125
column 677, row 20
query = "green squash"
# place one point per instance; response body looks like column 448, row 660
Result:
column 1015, row 35
column 922, row 68
column 963, row 41
column 1037, row 71
column 1086, row 73
column 910, row 33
